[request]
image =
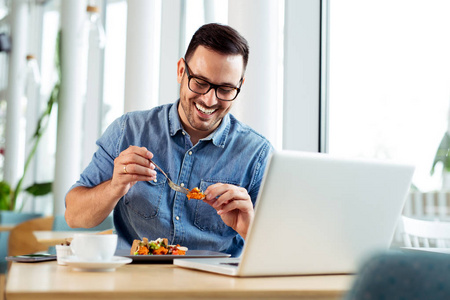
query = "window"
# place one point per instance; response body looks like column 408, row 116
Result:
column 389, row 81
column 114, row 71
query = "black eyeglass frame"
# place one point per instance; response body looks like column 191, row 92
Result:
column 211, row 85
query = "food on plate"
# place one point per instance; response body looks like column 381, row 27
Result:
column 159, row 246
column 195, row 193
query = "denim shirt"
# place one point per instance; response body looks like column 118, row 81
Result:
column 233, row 154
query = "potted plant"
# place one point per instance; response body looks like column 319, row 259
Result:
column 10, row 212
column 443, row 156
column 8, row 195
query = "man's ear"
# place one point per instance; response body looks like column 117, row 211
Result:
column 180, row 70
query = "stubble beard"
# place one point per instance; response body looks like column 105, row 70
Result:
column 190, row 111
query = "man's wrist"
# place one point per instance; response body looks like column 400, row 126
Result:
column 112, row 191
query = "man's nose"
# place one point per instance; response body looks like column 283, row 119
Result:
column 210, row 97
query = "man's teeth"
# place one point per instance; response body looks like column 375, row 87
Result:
column 204, row 109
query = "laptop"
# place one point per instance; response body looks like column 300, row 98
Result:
column 317, row 214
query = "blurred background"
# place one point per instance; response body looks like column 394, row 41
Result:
column 351, row 78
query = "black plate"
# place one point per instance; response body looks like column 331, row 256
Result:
column 170, row 258
column 31, row 257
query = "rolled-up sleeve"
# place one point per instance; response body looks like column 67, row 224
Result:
column 101, row 166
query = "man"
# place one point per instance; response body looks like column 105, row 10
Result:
column 196, row 142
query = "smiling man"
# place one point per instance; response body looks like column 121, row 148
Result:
column 197, row 142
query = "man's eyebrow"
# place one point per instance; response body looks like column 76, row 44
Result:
column 220, row 84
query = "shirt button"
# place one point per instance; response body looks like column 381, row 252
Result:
column 177, row 217
column 182, row 184
column 183, row 133
column 155, row 180
column 190, row 152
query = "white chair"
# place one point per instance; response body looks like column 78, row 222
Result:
column 423, row 233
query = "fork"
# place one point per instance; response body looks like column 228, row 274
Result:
column 173, row 186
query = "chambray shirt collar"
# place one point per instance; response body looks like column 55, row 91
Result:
column 218, row 137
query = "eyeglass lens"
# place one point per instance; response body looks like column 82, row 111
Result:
column 201, row 86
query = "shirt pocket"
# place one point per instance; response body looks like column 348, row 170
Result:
column 206, row 217
column 144, row 198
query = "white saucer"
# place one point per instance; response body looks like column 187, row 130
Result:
column 96, row 266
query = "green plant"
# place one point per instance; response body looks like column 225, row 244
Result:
column 443, row 154
column 8, row 196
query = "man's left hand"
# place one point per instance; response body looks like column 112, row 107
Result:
column 233, row 204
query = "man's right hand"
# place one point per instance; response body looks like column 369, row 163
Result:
column 87, row 207
column 132, row 165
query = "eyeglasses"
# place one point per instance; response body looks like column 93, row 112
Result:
column 202, row 87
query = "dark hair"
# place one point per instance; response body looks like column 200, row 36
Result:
column 219, row 38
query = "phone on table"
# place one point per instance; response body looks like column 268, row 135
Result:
column 34, row 257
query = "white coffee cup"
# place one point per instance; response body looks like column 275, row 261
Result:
column 94, row 247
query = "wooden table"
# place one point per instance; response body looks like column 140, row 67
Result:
column 6, row 227
column 48, row 280
column 51, row 238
